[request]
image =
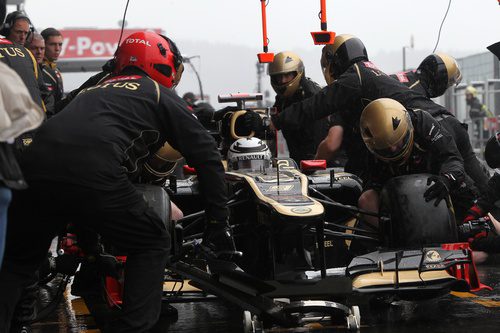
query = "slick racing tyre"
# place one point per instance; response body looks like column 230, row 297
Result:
column 412, row 222
column 158, row 199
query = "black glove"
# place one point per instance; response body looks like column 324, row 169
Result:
column 252, row 121
column 438, row 190
column 218, row 238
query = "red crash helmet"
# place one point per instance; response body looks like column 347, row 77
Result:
column 153, row 53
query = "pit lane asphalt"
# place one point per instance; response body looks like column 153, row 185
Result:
column 455, row 312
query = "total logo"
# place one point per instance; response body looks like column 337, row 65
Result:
column 137, row 41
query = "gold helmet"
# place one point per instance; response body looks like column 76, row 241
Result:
column 439, row 71
column 337, row 57
column 161, row 164
column 387, row 130
column 285, row 63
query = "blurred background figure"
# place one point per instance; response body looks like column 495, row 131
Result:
column 36, row 45
column 202, row 110
column 52, row 75
column 477, row 111
column 17, row 27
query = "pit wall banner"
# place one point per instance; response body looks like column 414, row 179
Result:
column 93, row 43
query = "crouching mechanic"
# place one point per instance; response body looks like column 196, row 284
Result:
column 78, row 170
column 435, row 74
column 402, row 142
column 489, row 202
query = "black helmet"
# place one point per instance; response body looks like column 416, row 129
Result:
column 492, row 151
column 337, row 57
column 439, row 72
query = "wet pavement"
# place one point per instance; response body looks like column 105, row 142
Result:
column 455, row 312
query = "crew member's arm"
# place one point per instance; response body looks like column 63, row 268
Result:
column 187, row 135
column 487, row 201
column 329, row 146
column 340, row 95
column 442, row 146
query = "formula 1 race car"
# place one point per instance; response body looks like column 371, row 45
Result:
column 303, row 255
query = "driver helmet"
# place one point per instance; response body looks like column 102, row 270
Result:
column 439, row 71
column 286, row 63
column 492, row 151
column 154, row 54
column 387, row 130
column 249, row 153
column 336, row 58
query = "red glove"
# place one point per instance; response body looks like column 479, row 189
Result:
column 474, row 213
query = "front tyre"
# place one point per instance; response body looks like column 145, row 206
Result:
column 413, row 222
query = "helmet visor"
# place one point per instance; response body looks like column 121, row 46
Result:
column 396, row 151
column 253, row 164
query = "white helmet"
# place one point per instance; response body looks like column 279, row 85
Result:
column 248, row 153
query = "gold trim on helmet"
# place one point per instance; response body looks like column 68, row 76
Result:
column 178, row 75
column 327, row 55
column 454, row 74
column 168, row 153
column 163, row 161
column 283, row 63
column 387, row 130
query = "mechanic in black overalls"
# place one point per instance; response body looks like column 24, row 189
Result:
column 22, row 61
column 489, row 202
column 288, row 80
column 78, row 169
column 51, row 74
column 436, row 73
column 404, row 141
column 353, row 82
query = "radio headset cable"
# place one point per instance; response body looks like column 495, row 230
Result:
column 123, row 26
column 441, row 26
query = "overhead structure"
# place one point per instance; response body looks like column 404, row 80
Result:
column 324, row 36
column 265, row 56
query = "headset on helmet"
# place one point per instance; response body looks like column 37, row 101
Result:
column 387, row 130
column 153, row 53
column 284, row 63
column 337, row 57
column 439, row 71
column 492, row 151
column 11, row 19
column 249, row 153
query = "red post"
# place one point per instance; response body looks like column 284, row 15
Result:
column 323, row 15
column 264, row 25
column 264, row 57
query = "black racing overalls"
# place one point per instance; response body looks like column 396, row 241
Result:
column 53, row 79
column 346, row 98
column 457, row 130
column 78, row 168
column 302, row 143
column 434, row 151
column 22, row 61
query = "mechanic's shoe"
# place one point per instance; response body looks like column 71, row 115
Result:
column 219, row 241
